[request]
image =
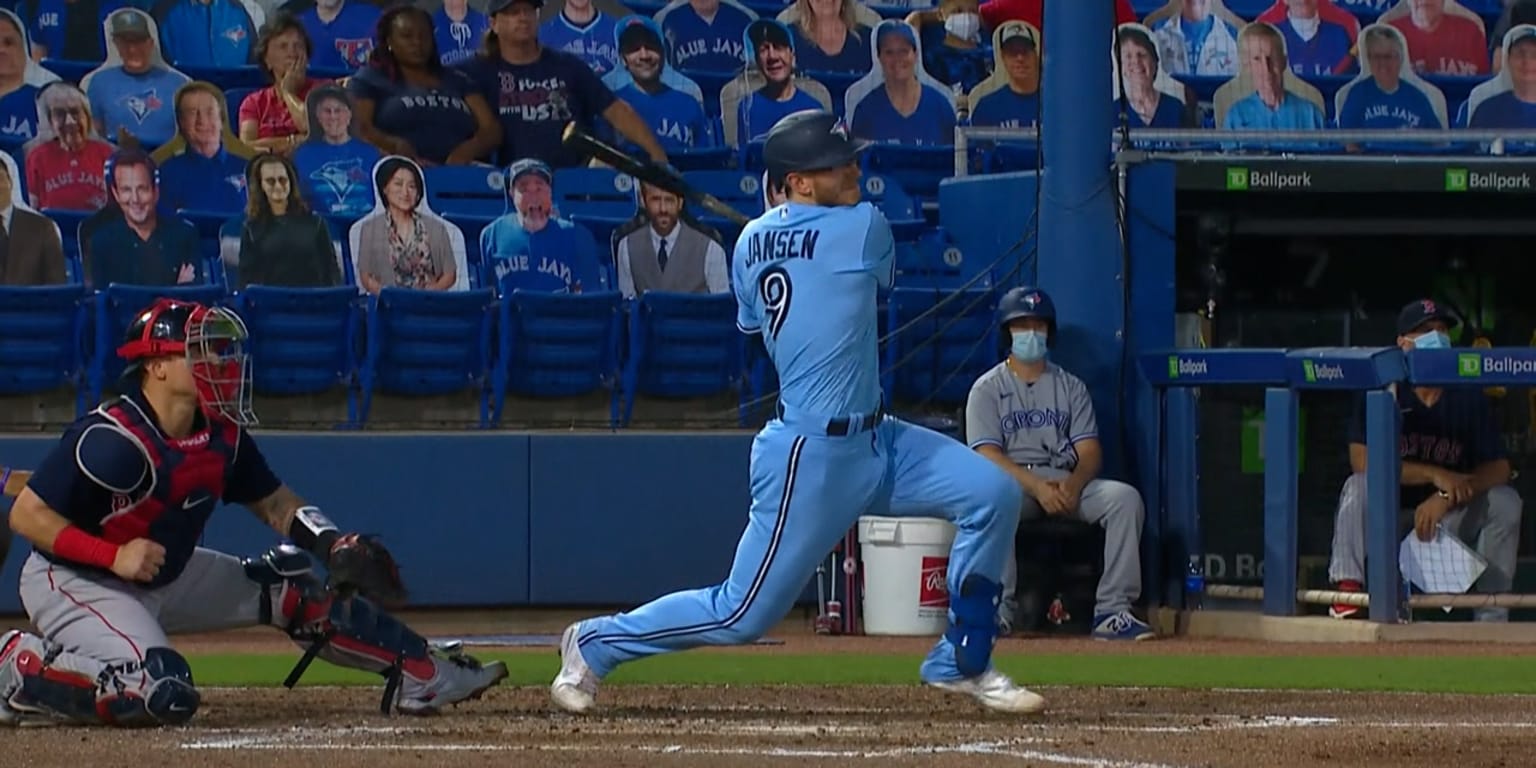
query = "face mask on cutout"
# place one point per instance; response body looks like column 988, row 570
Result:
column 1432, row 340
column 1029, row 346
column 965, row 26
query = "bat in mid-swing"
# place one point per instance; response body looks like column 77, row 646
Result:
column 14, row 480
column 649, row 172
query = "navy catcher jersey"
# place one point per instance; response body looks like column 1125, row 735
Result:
column 117, row 476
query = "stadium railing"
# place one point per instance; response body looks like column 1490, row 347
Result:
column 1176, row 530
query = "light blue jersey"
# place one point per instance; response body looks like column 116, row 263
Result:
column 806, row 277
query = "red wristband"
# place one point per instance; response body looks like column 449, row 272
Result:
column 81, row 547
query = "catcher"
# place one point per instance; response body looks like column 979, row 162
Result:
column 114, row 514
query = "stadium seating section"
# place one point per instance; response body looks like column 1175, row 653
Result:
column 497, row 344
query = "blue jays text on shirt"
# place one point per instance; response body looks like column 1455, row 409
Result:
column 777, row 244
column 555, row 268
column 20, row 106
column 720, row 46
column 1405, row 117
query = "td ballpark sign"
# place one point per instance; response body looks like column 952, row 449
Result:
column 1250, row 180
column 1475, row 364
column 1466, row 180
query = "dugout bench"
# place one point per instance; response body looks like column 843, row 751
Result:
column 1173, row 531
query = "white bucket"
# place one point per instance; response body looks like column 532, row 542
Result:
column 905, row 562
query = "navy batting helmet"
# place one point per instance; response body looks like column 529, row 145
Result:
column 809, row 140
column 1027, row 301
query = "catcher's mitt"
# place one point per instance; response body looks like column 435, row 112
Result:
column 359, row 564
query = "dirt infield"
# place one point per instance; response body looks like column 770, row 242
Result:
column 1099, row 728
column 814, row 726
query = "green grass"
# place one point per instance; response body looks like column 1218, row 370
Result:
column 1446, row 674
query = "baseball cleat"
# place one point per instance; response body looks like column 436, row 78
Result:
column 1122, row 625
column 14, row 652
column 459, row 677
column 1345, row 610
column 575, row 688
column 996, row 692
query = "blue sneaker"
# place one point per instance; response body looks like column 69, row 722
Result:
column 1121, row 626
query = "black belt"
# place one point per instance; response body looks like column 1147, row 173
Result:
column 853, row 425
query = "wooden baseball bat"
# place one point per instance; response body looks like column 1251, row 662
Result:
column 14, row 480
column 648, row 171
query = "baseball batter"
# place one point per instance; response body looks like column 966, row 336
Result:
column 1036, row 421
column 114, row 514
column 805, row 275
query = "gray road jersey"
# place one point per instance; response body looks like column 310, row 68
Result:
column 1037, row 424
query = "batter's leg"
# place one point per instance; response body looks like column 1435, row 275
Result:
column 806, row 492
column 936, row 476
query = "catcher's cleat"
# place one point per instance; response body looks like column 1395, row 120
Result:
column 575, row 688
column 457, row 677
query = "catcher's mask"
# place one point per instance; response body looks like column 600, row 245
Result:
column 212, row 339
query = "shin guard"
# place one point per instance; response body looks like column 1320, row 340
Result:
column 973, row 628
column 41, row 683
column 350, row 633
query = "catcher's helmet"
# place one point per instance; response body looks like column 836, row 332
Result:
column 1027, row 301
column 809, row 140
column 213, row 341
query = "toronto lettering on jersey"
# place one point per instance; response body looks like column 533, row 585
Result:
column 775, row 244
column 1036, row 418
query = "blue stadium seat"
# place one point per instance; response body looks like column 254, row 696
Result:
column 233, row 98
column 41, row 338
column 112, row 312
column 837, row 86
column 472, row 226
column 941, row 341
column 558, row 345
column 427, row 343
column 702, row 159
column 69, row 228
column 227, row 78
column 684, row 345
column 467, row 190
column 710, row 85
column 933, row 262
column 601, row 192
column 70, row 70
column 917, row 169
column 752, row 158
column 303, row 340
column 209, row 226
column 907, row 222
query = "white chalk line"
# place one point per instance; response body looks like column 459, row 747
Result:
column 1007, row 748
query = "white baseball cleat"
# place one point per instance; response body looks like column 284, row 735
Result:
column 996, row 692
column 458, row 677
column 575, row 688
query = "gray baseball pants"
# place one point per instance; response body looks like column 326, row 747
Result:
column 1491, row 523
column 1117, row 508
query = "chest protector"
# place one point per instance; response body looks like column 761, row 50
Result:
column 184, row 484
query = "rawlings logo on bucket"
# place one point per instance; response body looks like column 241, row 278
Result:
column 932, row 591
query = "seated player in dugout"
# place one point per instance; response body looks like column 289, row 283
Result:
column 1036, row 420
column 1455, row 473
column 114, row 514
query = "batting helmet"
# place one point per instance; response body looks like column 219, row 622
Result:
column 809, row 140
column 1027, row 301
column 213, row 341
